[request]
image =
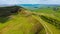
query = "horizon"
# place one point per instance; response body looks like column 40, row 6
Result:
column 28, row 4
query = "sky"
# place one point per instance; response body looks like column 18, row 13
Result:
column 29, row 2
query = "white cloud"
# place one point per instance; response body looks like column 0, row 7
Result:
column 29, row 1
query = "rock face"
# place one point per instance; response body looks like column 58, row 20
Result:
column 6, row 11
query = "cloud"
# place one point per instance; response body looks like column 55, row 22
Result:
column 29, row 1
column 19, row 1
column 7, row 1
column 51, row 2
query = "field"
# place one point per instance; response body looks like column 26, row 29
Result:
column 23, row 21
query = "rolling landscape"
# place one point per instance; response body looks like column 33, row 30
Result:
column 30, row 19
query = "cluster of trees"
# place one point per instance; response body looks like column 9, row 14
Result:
column 51, row 21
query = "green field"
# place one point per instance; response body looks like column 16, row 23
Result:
column 40, row 21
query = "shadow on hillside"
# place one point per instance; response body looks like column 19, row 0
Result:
column 52, row 21
column 5, row 12
column 3, row 19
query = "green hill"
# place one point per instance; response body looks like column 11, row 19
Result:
column 18, row 20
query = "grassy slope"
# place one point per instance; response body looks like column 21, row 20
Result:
column 50, row 13
column 26, row 23
column 50, row 29
column 23, row 23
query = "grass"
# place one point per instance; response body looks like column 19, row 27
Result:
column 48, row 13
column 40, row 21
column 50, row 29
column 52, row 21
column 20, row 24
